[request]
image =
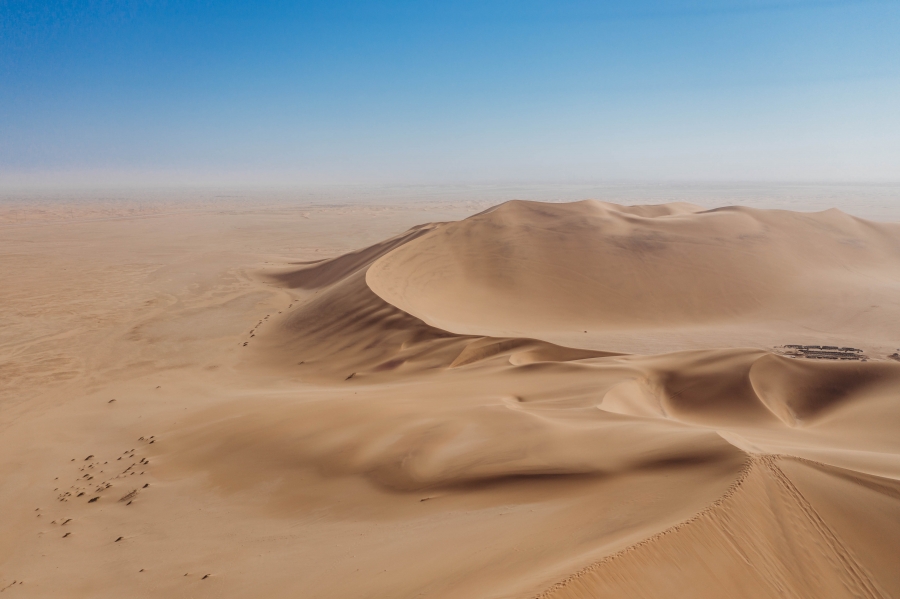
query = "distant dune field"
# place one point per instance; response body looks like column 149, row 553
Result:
column 537, row 400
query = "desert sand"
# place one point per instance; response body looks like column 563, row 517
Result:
column 448, row 399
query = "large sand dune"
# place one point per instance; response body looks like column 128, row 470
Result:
column 654, row 278
column 576, row 400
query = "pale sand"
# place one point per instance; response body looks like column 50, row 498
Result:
column 577, row 400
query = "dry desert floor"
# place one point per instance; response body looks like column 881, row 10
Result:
column 449, row 400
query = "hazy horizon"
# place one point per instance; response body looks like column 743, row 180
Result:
column 875, row 201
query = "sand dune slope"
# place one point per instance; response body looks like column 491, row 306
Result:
column 589, row 274
column 761, row 539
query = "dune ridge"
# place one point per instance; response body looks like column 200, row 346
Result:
column 736, row 547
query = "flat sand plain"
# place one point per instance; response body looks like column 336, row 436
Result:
column 447, row 399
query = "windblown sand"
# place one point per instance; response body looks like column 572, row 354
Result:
column 425, row 400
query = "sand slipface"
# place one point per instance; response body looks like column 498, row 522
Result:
column 540, row 400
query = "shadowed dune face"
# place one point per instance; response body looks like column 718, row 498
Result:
column 748, row 388
column 447, row 443
column 799, row 392
column 557, row 271
column 327, row 272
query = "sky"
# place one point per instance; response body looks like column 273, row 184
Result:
column 427, row 92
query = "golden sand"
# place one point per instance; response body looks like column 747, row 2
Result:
column 536, row 400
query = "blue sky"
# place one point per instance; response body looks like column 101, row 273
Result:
column 450, row 92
